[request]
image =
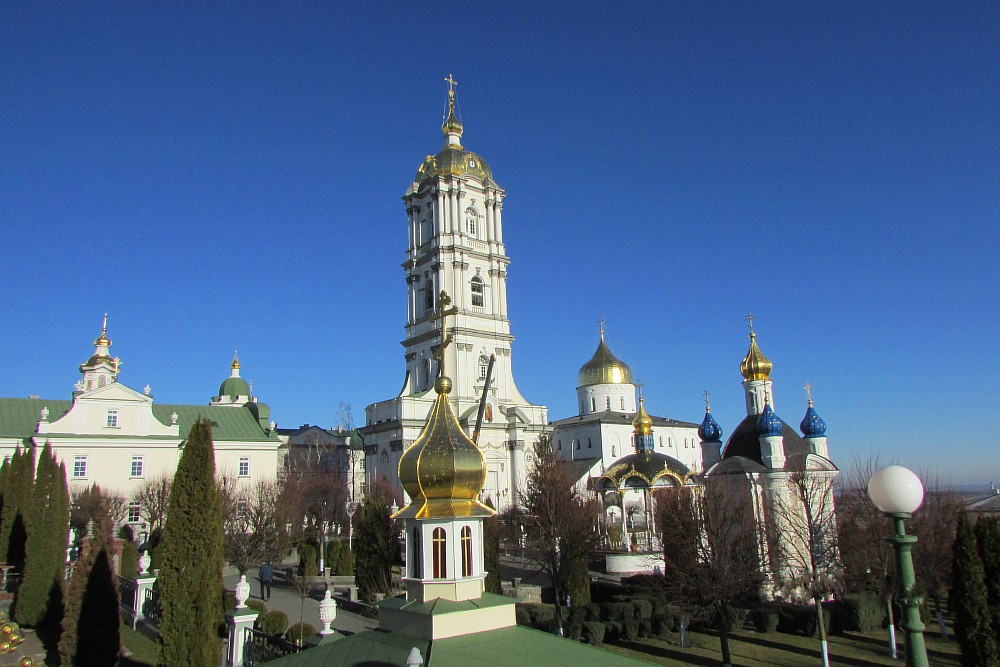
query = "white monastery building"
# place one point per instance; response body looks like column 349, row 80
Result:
column 455, row 246
column 118, row 438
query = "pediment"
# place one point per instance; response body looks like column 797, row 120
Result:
column 91, row 415
column 115, row 391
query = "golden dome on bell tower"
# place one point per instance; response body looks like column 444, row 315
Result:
column 604, row 367
column 643, row 423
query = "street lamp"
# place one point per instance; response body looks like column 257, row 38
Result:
column 352, row 507
column 897, row 492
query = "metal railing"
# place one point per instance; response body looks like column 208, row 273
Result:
column 260, row 647
column 127, row 592
column 151, row 607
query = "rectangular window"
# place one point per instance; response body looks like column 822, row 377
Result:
column 112, row 419
column 608, row 403
column 136, row 466
column 245, row 466
column 80, row 466
column 134, row 512
column 472, row 227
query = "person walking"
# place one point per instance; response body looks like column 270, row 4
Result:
column 266, row 575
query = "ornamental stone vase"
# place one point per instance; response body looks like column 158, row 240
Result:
column 242, row 592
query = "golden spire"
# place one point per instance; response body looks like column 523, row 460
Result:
column 103, row 340
column 755, row 366
column 443, row 471
column 236, row 361
column 452, row 128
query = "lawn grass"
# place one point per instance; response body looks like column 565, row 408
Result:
column 139, row 649
column 752, row 649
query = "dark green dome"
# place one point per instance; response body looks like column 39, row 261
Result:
column 234, row 386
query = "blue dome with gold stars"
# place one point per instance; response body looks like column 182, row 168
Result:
column 769, row 425
column 812, row 425
column 710, row 431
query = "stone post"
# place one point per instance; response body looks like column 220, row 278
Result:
column 143, row 583
column 238, row 620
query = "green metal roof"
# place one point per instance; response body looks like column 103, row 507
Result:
column 234, row 387
column 19, row 418
column 507, row 647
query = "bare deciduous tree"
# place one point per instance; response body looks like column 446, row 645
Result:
column 154, row 498
column 934, row 525
column 560, row 534
column 808, row 555
column 254, row 523
column 710, row 550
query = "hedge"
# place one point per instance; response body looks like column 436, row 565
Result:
column 765, row 619
column 857, row 613
column 255, row 604
column 800, row 620
column 593, row 632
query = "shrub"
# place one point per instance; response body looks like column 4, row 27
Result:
column 228, row 600
column 800, row 620
column 630, row 629
column 307, row 561
column 300, row 632
column 593, row 612
column 857, row 613
column 734, row 618
column 333, row 551
column 255, row 604
column 273, row 623
column 645, row 627
column 593, row 633
column 765, row 619
column 521, row 614
column 130, row 560
column 617, row 612
column 643, row 609
column 345, row 564
column 612, row 631
column 662, row 623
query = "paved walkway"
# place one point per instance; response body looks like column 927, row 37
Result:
column 287, row 599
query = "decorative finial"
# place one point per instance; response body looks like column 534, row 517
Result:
column 640, row 384
column 147, row 389
column 749, row 319
column 116, row 367
column 451, row 86
column 600, row 325
column 440, row 314
column 708, row 407
column 809, row 394
column 104, row 326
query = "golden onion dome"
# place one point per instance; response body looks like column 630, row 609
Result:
column 604, row 368
column 455, row 161
column 755, row 366
column 443, row 471
column 643, row 423
column 103, row 340
column 236, row 362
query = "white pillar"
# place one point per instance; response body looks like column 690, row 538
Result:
column 238, row 620
column 142, row 585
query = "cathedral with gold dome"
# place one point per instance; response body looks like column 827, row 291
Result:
column 454, row 244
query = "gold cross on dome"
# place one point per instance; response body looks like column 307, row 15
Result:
column 750, row 321
column 809, row 394
column 451, row 84
column 600, row 324
column 707, row 406
column 440, row 314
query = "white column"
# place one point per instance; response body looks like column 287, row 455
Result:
column 238, row 621
column 142, row 585
column 498, row 211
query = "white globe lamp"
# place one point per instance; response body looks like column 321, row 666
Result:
column 896, row 490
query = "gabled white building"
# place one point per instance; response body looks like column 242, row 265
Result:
column 118, row 438
column 455, row 245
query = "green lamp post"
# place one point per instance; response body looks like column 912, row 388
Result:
column 898, row 493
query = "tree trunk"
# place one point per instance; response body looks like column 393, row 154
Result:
column 723, row 625
column 821, row 620
column 940, row 617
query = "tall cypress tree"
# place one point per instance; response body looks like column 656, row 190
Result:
column 373, row 545
column 18, row 490
column 988, row 541
column 191, row 559
column 90, row 635
column 491, row 552
column 969, row 601
column 39, row 599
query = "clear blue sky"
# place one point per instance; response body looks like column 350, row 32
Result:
column 228, row 175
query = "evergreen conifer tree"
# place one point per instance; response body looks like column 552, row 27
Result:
column 191, row 559
column 18, row 490
column 491, row 552
column 90, row 635
column 969, row 598
column 39, row 599
column 373, row 545
column 988, row 540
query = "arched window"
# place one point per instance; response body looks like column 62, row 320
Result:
column 590, row 445
column 559, row 445
column 440, row 551
column 478, row 292
column 471, row 221
column 429, row 295
column 466, row 551
column 484, row 364
column 576, row 444
column 418, row 548
column 614, row 451
column 426, row 372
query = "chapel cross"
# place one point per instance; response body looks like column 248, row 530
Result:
column 750, row 321
column 708, row 408
column 600, row 324
column 451, row 84
column 440, row 314
column 640, row 385
column 809, row 393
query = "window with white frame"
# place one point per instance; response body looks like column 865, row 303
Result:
column 79, row 466
column 471, row 218
column 244, row 466
column 134, row 512
column 136, row 470
column 112, row 419
column 478, row 292
column 484, row 364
